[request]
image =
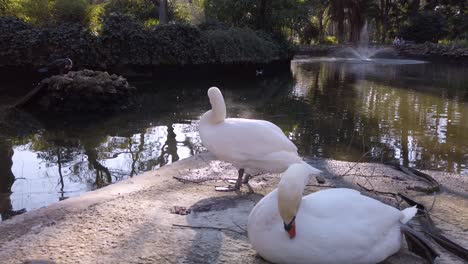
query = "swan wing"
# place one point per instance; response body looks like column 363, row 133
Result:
column 362, row 227
column 245, row 139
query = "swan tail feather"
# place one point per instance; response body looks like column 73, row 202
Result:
column 419, row 244
column 217, row 104
column 408, row 214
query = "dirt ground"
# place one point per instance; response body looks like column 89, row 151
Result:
column 133, row 221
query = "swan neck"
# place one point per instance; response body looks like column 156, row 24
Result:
column 290, row 190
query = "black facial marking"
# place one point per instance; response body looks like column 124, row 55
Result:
column 288, row 227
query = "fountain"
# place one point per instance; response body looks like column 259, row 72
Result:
column 363, row 53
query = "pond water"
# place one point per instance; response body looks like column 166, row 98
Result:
column 414, row 114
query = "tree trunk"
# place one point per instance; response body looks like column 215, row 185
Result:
column 414, row 8
column 262, row 14
column 340, row 22
column 163, row 12
column 321, row 31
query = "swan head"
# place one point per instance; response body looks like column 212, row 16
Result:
column 290, row 191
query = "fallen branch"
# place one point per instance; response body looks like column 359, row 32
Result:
column 430, row 229
column 211, row 227
column 355, row 164
column 186, row 180
column 29, row 96
column 240, row 227
column 377, row 192
column 321, row 185
column 434, row 185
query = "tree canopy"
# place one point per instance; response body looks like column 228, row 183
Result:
column 302, row 21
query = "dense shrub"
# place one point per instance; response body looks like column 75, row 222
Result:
column 38, row 46
column 426, row 26
column 330, row 40
column 140, row 9
column 37, row 12
column 124, row 41
column 94, row 17
column 178, row 44
column 70, row 11
column 9, row 25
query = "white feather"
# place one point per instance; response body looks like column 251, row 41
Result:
column 254, row 145
column 332, row 226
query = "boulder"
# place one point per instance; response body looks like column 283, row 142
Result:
column 81, row 91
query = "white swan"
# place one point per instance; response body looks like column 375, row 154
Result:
column 252, row 145
column 329, row 226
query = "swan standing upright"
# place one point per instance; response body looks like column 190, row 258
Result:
column 253, row 146
column 326, row 227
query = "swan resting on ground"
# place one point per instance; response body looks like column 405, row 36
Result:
column 253, row 146
column 328, row 226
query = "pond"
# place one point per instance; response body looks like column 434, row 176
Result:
column 414, row 114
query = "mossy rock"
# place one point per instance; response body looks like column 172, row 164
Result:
column 85, row 91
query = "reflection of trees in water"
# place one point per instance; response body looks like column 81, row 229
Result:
column 86, row 156
column 6, row 180
column 169, row 149
column 424, row 129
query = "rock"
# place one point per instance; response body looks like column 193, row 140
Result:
column 81, row 91
column 320, row 179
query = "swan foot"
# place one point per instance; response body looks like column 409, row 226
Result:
column 246, row 179
column 236, row 186
column 229, row 188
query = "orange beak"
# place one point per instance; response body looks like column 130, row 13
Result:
column 292, row 231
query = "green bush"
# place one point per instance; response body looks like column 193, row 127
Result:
column 308, row 33
column 456, row 42
column 10, row 25
column 95, row 17
column 37, row 12
column 426, row 26
column 139, row 9
column 178, row 44
column 240, row 45
column 70, row 11
column 11, row 8
column 124, row 41
column 330, row 40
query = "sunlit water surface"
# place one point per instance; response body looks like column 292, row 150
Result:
column 414, row 114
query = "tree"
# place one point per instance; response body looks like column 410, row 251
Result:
column 163, row 11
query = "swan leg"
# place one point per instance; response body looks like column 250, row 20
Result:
column 246, row 178
column 236, row 186
column 239, row 180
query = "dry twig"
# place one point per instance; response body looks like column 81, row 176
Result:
column 211, row 227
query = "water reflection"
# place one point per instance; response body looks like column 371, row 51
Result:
column 415, row 114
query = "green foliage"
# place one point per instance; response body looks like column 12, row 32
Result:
column 426, row 26
column 10, row 8
column 151, row 22
column 259, row 14
column 94, row 17
column 239, row 45
column 10, row 25
column 37, row 12
column 142, row 10
column 330, row 40
column 308, row 33
column 457, row 42
column 70, row 11
column 178, row 44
